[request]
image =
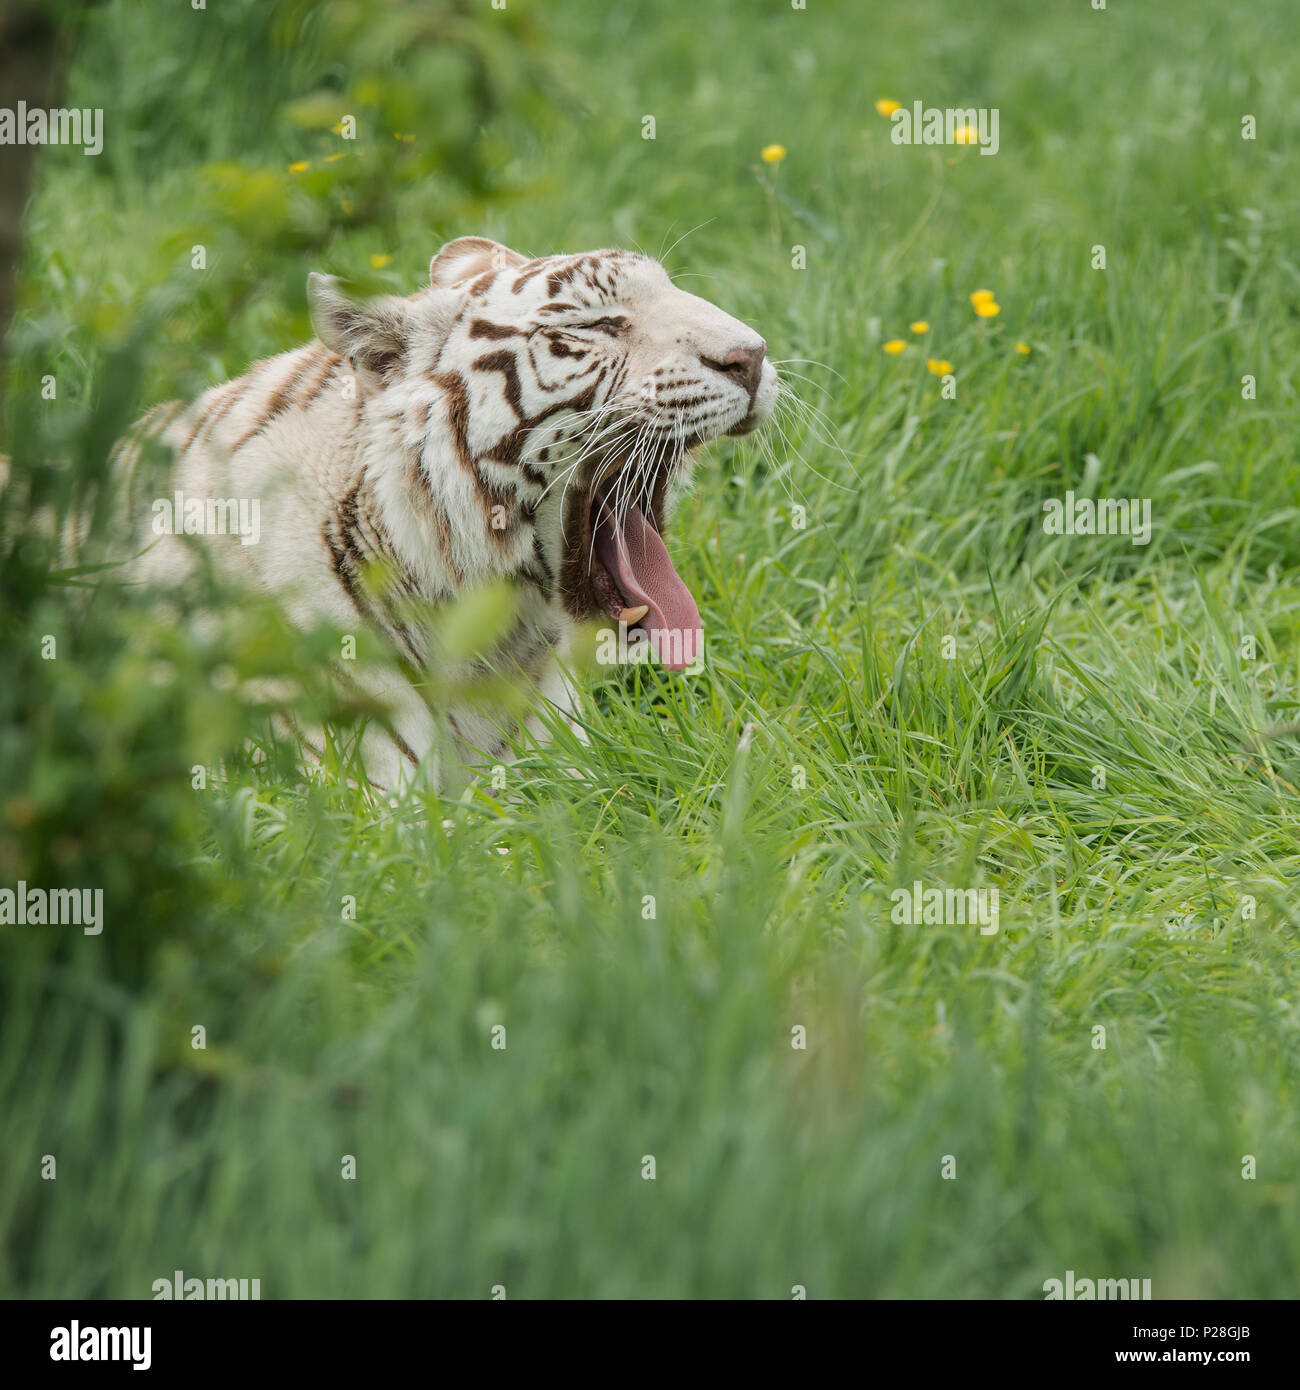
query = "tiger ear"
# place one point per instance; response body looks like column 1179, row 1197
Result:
column 468, row 256
column 373, row 334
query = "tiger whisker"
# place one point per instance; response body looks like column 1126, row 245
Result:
column 809, row 362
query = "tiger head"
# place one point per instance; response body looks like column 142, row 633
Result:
column 554, row 405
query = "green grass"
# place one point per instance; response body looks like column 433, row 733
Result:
column 1160, row 906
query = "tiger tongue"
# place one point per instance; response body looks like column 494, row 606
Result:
column 635, row 555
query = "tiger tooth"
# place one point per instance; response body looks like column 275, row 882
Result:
column 634, row 615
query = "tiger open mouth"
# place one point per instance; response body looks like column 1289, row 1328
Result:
column 617, row 566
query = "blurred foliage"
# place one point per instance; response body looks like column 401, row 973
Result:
column 210, row 113
column 269, row 139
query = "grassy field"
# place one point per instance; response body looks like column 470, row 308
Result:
column 917, row 683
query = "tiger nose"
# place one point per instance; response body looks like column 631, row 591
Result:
column 744, row 365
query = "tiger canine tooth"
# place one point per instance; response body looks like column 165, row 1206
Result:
column 634, row 615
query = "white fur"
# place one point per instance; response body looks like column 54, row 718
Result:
column 395, row 436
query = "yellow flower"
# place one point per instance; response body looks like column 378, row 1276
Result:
column 920, row 326
column 985, row 295
column 939, row 366
column 406, row 139
column 886, row 107
column 379, row 261
column 987, row 309
column 299, row 167
column 965, row 135
column 330, row 158
column 773, row 154
column 1023, row 349
column 895, row 346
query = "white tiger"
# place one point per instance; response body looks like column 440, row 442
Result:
column 527, row 421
